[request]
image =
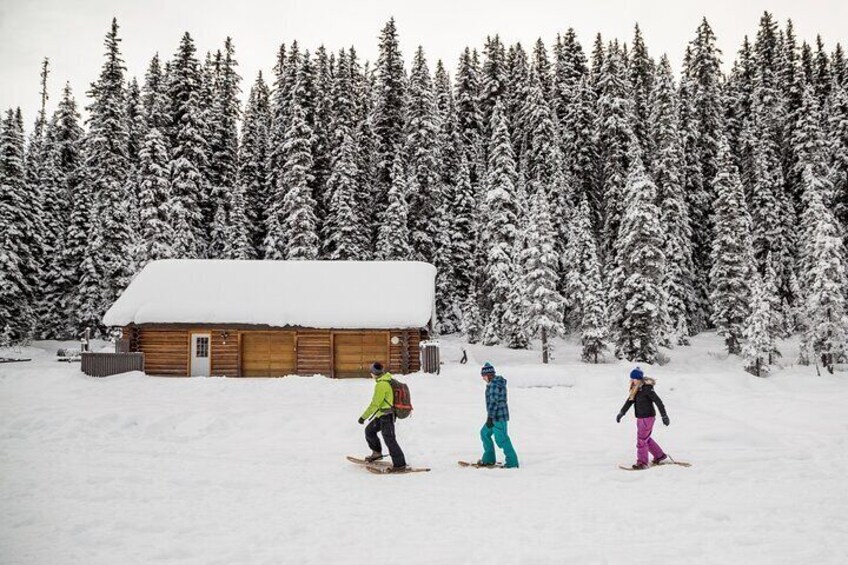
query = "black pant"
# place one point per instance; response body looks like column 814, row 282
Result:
column 385, row 425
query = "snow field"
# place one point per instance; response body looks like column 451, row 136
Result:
column 134, row 469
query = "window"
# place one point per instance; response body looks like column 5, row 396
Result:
column 201, row 347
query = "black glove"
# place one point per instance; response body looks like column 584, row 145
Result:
column 361, row 421
column 666, row 421
column 489, row 423
column 619, row 417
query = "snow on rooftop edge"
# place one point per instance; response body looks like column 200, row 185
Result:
column 314, row 294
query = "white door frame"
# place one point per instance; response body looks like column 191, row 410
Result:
column 201, row 366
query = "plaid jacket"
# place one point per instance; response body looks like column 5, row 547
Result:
column 496, row 406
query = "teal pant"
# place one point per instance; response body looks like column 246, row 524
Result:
column 499, row 430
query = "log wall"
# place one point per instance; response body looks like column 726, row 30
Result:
column 167, row 348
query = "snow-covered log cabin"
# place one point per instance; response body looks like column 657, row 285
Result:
column 276, row 318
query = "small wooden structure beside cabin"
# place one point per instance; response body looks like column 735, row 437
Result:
column 276, row 318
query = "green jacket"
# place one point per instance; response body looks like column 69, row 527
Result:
column 383, row 400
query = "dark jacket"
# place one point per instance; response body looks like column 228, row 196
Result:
column 496, row 406
column 644, row 400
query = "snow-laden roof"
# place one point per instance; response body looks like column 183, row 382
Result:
column 314, row 294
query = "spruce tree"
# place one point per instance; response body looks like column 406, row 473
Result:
column 469, row 117
column 388, row 111
column 641, row 73
column 223, row 147
column 825, row 312
column 471, row 323
column 393, row 232
column 279, row 100
column 106, row 167
column 541, row 266
column 253, row 174
column 583, row 291
column 501, row 219
column 191, row 204
column 463, row 236
column 613, row 138
column 422, row 158
column 515, row 95
column 732, row 254
column 296, row 207
column 344, row 220
column 322, row 128
column 822, row 79
column 154, row 95
column 239, row 244
column 68, row 139
column 154, row 199
column 664, row 133
column 637, row 296
column 703, row 127
column 758, row 341
column 837, row 122
column 17, row 246
column 492, row 83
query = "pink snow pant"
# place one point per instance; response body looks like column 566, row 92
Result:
column 644, row 443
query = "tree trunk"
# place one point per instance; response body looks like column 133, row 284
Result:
column 544, row 346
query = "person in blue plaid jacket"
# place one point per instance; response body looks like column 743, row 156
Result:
column 497, row 411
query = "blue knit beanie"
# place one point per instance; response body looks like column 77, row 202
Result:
column 637, row 374
column 487, row 369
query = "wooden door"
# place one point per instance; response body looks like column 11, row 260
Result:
column 268, row 354
column 354, row 352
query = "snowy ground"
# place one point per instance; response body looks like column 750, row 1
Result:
column 133, row 469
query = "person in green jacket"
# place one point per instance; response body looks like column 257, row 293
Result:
column 382, row 417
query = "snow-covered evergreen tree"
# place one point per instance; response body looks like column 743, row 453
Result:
column 422, row 159
column 191, row 209
column 702, row 125
column 388, row 111
column 637, row 296
column 393, row 232
column 154, row 95
column 822, row 276
column 469, row 117
column 154, row 200
column 501, row 224
column 837, row 121
column 492, row 84
column 68, row 140
column 462, row 222
column 614, row 136
column 296, row 236
column 253, row 176
column 16, row 234
column 239, row 244
column 664, row 133
column 641, row 71
column 223, row 146
column 345, row 219
column 541, row 275
column 732, row 254
column 106, row 167
column 759, row 343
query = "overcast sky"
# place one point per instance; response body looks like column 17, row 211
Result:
column 70, row 32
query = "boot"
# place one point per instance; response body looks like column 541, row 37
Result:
column 397, row 469
column 661, row 460
column 375, row 456
column 481, row 464
column 639, row 466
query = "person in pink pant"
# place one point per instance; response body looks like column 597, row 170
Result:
column 643, row 396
